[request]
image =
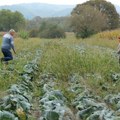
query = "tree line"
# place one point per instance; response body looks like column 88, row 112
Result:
column 86, row 19
column 9, row 19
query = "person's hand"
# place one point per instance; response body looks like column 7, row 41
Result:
column 15, row 52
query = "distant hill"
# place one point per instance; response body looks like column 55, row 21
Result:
column 30, row 10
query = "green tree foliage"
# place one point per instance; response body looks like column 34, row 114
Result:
column 23, row 34
column 51, row 31
column 9, row 19
column 19, row 20
column 86, row 21
column 63, row 22
column 34, row 23
column 106, row 8
column 33, row 33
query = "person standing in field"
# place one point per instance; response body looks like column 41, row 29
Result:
column 7, row 45
column 118, row 49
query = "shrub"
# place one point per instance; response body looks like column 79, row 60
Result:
column 84, row 33
column 51, row 31
column 24, row 34
column 56, row 32
column 33, row 33
column 111, row 35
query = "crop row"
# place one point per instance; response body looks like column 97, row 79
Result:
column 17, row 104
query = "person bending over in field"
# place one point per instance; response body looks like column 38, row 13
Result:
column 7, row 44
column 118, row 49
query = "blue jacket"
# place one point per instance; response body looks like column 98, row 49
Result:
column 8, row 41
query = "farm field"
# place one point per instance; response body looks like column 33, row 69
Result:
column 64, row 79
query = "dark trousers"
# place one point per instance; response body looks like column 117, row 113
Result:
column 7, row 54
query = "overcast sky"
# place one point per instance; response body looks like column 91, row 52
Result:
column 68, row 2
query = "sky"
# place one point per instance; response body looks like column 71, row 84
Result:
column 64, row 2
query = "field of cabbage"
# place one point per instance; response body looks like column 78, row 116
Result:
column 61, row 79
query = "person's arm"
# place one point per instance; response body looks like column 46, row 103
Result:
column 12, row 45
column 118, row 49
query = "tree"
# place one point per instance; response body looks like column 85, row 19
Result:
column 10, row 20
column 33, row 24
column 4, row 17
column 87, row 20
column 51, row 31
column 62, row 22
column 108, row 9
column 18, row 21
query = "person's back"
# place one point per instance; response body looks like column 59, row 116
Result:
column 7, row 40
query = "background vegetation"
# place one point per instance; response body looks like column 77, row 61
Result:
column 64, row 56
column 86, row 19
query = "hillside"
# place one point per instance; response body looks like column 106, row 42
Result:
column 43, row 10
column 30, row 10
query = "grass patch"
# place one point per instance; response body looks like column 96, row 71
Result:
column 63, row 57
